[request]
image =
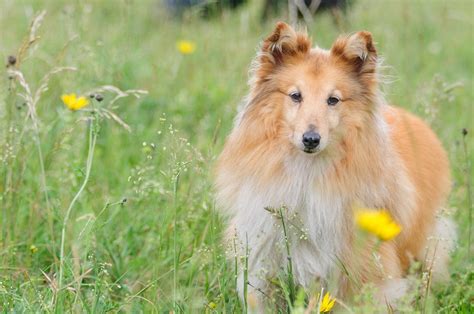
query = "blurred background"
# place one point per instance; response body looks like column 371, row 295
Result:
column 132, row 227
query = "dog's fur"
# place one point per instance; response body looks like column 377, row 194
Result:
column 371, row 154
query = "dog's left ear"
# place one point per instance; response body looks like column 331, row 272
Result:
column 357, row 51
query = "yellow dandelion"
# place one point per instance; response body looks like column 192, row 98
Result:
column 377, row 222
column 186, row 47
column 327, row 303
column 73, row 102
column 33, row 249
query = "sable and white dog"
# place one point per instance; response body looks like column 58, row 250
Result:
column 316, row 136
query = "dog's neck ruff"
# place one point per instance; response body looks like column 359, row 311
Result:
column 314, row 218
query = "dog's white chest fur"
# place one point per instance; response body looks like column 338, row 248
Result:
column 313, row 216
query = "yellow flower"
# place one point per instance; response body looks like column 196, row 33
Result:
column 186, row 47
column 72, row 102
column 33, row 248
column 327, row 303
column 377, row 222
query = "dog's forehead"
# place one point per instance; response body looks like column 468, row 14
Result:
column 319, row 61
column 319, row 56
column 316, row 50
column 314, row 68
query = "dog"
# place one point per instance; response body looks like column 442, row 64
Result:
column 315, row 137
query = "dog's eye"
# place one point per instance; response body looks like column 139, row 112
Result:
column 332, row 101
column 296, row 96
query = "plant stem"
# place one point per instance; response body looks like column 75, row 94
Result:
column 43, row 182
column 246, row 272
column 429, row 279
column 175, row 257
column 236, row 269
column 468, row 185
column 291, row 283
column 90, row 156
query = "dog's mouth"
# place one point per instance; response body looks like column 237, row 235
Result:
column 311, row 151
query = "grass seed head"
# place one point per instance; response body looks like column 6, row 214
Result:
column 11, row 60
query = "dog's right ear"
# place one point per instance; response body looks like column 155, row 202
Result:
column 283, row 44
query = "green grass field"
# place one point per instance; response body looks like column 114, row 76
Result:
column 95, row 218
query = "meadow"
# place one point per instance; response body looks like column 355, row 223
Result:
column 110, row 208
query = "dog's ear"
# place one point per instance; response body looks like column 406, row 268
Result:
column 284, row 43
column 357, row 52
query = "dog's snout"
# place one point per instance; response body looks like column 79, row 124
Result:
column 311, row 139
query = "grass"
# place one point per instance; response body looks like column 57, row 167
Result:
column 143, row 235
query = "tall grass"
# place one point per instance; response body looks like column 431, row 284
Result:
column 69, row 241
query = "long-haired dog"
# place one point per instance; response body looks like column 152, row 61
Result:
column 316, row 136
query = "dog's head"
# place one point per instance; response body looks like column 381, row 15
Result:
column 311, row 98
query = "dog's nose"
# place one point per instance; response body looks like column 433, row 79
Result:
column 311, row 139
